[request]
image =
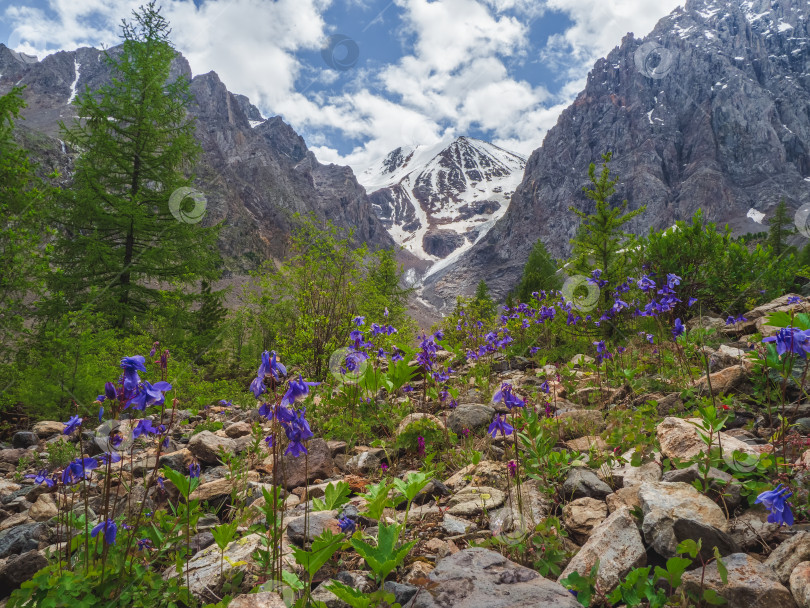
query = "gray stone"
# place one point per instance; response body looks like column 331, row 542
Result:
column 789, row 554
column 617, row 544
column 721, row 484
column 581, row 483
column 363, row 463
column 318, row 522
column 402, row 592
column 23, row 538
column 750, row 584
column 472, row 416
column 478, row 578
column 24, row 439
column 456, row 525
column 474, row 500
column 19, row 568
column 709, row 536
column 663, row 504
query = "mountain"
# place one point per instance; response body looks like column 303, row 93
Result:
column 437, row 201
column 255, row 173
column 711, row 110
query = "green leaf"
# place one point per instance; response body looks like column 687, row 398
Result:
column 334, row 497
column 721, row 567
column 383, row 558
column 323, row 547
column 710, row 596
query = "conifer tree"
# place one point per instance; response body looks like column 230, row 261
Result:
column 539, row 273
column 24, row 254
column 781, row 227
column 482, row 303
column 123, row 242
column 600, row 242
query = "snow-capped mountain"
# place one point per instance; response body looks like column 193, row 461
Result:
column 709, row 111
column 437, row 201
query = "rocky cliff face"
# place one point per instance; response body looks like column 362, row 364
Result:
column 437, row 201
column 255, row 173
column 711, row 110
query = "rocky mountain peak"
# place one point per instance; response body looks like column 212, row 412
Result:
column 709, row 111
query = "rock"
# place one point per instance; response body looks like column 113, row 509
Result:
column 578, row 423
column 7, row 487
column 456, row 525
column 626, row 475
column 721, row 484
column 750, row 584
column 411, row 418
column 17, row 519
column 48, row 428
column 474, row 500
column 663, row 504
column 710, row 536
column 177, row 461
column 679, row 439
column 318, row 522
column 418, row 571
column 800, row 584
column 669, row 404
column 478, row 578
column 617, row 544
column 264, row 599
column 44, row 508
column 402, row 592
column 337, row 447
column 219, row 489
column 22, row 538
column 485, row 473
column 751, row 529
column 586, row 443
column 201, row 540
column 14, row 456
column 788, row 555
column 727, row 380
column 238, row 429
column 580, row 360
column 582, row 515
column 624, row 497
column 205, row 447
column 473, row 416
column 363, row 464
column 24, row 439
column 318, row 464
column 19, row 568
column 582, row 482
column 536, row 506
column 204, row 567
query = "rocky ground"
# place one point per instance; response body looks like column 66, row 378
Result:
column 624, row 514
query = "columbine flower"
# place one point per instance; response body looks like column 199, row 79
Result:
column 359, row 321
column 678, row 329
column 110, row 530
column 499, row 424
column 347, row 526
column 42, row 477
column 224, row 403
column 194, row 470
column 111, row 457
column 645, row 283
column 149, row 394
column 100, row 413
column 131, row 367
column 545, row 388
column 144, row 427
column 78, row 470
column 794, row 300
column 791, row 340
column 691, row 301
column 296, row 391
column 776, row 502
column 270, row 440
column 144, row 544
column 506, row 396
column 72, row 424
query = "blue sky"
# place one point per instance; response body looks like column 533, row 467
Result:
column 357, row 78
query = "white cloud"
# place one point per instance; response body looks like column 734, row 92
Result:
column 456, row 72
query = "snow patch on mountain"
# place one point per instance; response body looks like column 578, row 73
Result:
column 438, row 201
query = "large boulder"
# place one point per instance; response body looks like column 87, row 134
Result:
column 800, row 584
column 317, row 464
column 479, row 578
column 48, row 428
column 750, row 584
column 582, row 515
column 616, row 544
column 485, row 473
column 664, row 505
column 581, row 483
column 474, row 500
column 728, row 380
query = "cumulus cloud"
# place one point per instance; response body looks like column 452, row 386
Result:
column 455, row 71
